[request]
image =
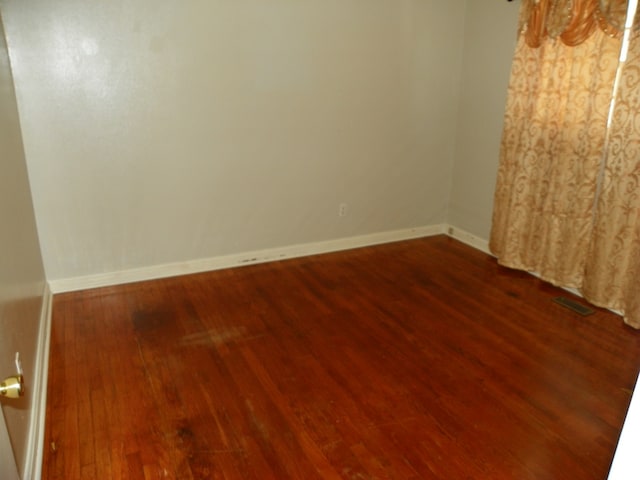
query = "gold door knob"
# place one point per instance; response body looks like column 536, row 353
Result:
column 12, row 387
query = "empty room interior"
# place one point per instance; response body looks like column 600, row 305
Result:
column 337, row 239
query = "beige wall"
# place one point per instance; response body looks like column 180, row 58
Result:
column 21, row 272
column 160, row 131
column 490, row 35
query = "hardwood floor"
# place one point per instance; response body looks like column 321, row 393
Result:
column 413, row 360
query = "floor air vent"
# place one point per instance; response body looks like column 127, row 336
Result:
column 573, row 305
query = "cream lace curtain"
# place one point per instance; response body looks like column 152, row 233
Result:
column 567, row 201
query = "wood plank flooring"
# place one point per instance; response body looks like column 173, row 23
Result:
column 413, row 360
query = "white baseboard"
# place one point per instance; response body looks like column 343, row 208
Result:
column 35, row 446
column 239, row 259
column 468, row 238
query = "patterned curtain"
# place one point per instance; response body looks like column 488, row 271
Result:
column 612, row 277
column 563, row 204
